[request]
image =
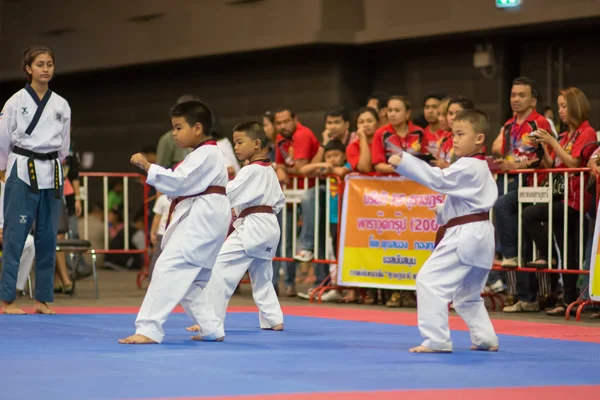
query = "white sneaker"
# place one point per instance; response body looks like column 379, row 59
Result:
column 522, row 306
column 332, row 295
column 304, row 256
column 306, row 296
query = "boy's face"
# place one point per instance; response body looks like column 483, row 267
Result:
column 336, row 158
column 184, row 134
column 244, row 146
column 465, row 140
column 336, row 126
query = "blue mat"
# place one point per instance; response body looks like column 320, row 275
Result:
column 77, row 357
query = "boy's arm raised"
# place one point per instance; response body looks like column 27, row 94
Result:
column 458, row 180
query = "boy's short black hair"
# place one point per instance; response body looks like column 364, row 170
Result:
column 463, row 102
column 535, row 89
column 338, row 111
column 477, row 118
column 253, row 130
column 335, row 145
column 194, row 112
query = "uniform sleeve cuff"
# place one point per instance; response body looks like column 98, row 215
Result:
column 152, row 171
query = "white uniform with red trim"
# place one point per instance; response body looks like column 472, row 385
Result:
column 458, row 268
column 252, row 245
column 191, row 243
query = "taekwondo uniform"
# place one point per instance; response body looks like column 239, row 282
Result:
column 34, row 140
column 257, row 198
column 28, row 251
column 458, row 268
column 197, row 226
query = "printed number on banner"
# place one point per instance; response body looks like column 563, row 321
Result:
column 423, row 225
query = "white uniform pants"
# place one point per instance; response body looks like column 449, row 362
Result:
column 175, row 281
column 26, row 263
column 232, row 263
column 444, row 279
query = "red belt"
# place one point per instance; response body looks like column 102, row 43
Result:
column 209, row 190
column 465, row 219
column 248, row 211
column 256, row 210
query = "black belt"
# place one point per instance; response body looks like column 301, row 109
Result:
column 31, row 155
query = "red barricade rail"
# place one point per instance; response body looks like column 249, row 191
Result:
column 105, row 189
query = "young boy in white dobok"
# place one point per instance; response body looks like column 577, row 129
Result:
column 196, row 228
column 257, row 198
column 458, row 268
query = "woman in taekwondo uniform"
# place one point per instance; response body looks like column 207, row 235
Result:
column 34, row 139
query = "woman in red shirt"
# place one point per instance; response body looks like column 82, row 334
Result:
column 358, row 151
column 399, row 134
column 572, row 150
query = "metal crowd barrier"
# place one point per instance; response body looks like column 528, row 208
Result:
column 298, row 185
column 126, row 178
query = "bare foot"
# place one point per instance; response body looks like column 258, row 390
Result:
column 491, row 348
column 278, row 327
column 12, row 309
column 423, row 349
column 198, row 337
column 137, row 339
column 42, row 308
column 195, row 328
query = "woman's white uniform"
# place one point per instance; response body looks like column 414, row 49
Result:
column 252, row 245
column 34, row 140
column 458, row 268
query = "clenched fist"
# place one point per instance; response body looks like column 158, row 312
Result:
column 395, row 160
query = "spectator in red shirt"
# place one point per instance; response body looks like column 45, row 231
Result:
column 445, row 155
column 295, row 147
column 430, row 113
column 378, row 101
column 572, row 150
column 517, row 150
column 358, row 152
column 337, row 122
column 399, row 134
column 443, row 130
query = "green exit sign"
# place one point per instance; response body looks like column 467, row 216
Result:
column 508, row 3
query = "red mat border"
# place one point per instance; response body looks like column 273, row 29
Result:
column 539, row 330
column 517, row 393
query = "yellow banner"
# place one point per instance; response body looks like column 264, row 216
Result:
column 387, row 231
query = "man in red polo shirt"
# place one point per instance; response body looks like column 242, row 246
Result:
column 518, row 152
column 295, row 147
